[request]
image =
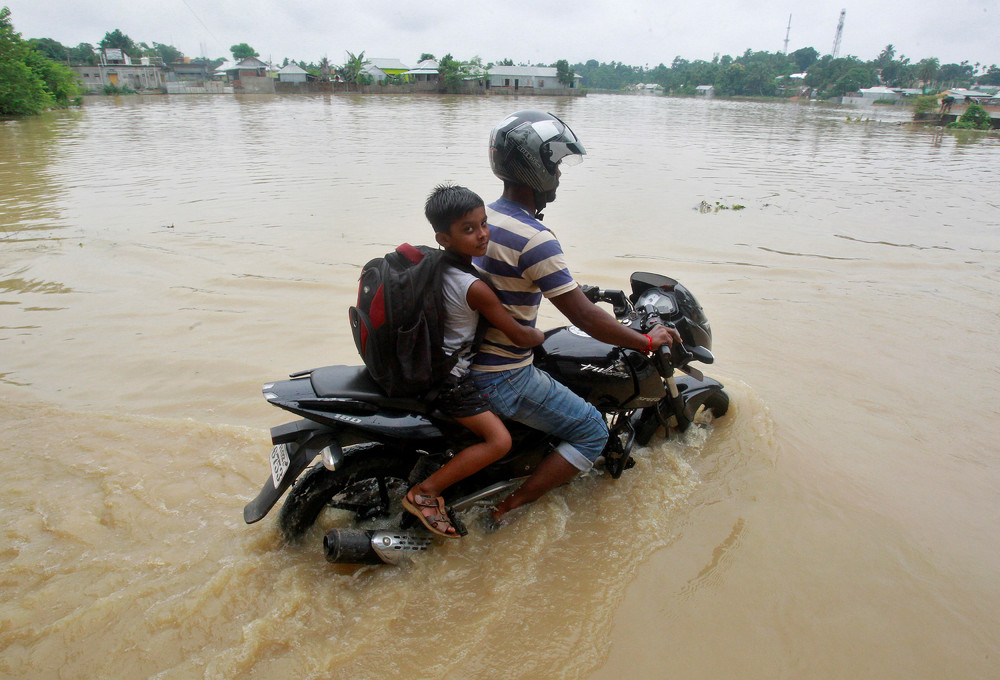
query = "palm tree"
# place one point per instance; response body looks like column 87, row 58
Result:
column 353, row 70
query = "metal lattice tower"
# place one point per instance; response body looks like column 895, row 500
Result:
column 787, row 32
column 840, row 34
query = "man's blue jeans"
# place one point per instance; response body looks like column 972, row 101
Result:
column 532, row 397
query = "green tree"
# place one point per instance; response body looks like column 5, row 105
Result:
column 22, row 92
column 427, row 55
column 243, row 51
column 49, row 48
column 82, row 54
column 450, row 73
column 59, row 81
column 118, row 40
column 974, row 118
column 992, row 76
column 353, row 70
column 955, row 75
column 927, row 71
column 804, row 58
column 167, row 53
column 564, row 74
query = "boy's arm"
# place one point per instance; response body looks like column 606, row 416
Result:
column 482, row 299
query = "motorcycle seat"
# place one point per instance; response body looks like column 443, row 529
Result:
column 353, row 382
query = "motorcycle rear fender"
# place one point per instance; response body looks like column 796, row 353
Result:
column 304, row 439
column 694, row 392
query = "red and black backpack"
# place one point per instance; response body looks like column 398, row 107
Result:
column 398, row 323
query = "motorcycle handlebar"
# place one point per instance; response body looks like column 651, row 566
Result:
column 616, row 298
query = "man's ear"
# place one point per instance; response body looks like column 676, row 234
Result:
column 442, row 239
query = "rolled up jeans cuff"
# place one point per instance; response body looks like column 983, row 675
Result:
column 574, row 457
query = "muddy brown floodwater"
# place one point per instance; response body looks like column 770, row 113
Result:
column 162, row 257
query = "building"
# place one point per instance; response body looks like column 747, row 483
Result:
column 707, row 91
column 292, row 73
column 115, row 69
column 424, row 72
column 248, row 76
column 251, row 67
column 389, row 67
column 530, row 78
column 377, row 74
column 189, row 69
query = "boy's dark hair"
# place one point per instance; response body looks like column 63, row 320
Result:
column 447, row 203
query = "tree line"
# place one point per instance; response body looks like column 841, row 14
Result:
column 767, row 74
column 34, row 74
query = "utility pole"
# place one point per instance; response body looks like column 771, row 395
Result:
column 840, row 34
column 787, row 32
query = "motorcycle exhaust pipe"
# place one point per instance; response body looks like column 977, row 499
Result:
column 360, row 546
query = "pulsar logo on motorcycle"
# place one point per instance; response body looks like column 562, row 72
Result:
column 616, row 371
column 346, row 419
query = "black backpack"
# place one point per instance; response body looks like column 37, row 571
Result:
column 398, row 323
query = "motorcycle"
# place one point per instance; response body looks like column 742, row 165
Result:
column 372, row 448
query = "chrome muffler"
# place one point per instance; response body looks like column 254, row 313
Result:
column 361, row 546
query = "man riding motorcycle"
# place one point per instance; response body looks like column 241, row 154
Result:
column 524, row 262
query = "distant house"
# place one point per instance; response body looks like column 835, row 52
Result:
column 389, row 67
column 646, row 88
column 425, row 71
column 188, row 69
column 115, row 68
column 249, row 76
column 879, row 92
column 705, row 91
column 377, row 74
column 292, row 73
column 251, row 67
column 528, row 77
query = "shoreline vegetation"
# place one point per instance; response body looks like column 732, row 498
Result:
column 37, row 74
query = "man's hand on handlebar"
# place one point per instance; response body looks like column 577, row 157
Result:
column 662, row 335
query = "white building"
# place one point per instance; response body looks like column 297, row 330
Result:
column 528, row 77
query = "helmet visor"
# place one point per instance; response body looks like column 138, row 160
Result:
column 559, row 143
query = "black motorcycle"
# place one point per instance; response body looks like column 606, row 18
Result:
column 372, row 448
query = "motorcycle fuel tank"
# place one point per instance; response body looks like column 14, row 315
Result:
column 607, row 376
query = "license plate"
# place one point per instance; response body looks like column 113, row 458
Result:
column 279, row 463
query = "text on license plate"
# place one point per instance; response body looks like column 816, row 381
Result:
column 279, row 463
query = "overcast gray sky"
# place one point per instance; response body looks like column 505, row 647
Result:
column 636, row 32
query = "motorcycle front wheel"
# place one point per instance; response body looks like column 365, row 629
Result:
column 370, row 482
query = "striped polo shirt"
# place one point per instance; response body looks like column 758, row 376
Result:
column 524, row 262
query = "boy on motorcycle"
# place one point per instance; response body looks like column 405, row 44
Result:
column 459, row 219
column 524, row 262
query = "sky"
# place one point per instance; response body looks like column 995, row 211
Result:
column 635, row 32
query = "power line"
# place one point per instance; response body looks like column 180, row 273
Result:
column 195, row 14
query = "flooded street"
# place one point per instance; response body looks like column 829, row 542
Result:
column 163, row 257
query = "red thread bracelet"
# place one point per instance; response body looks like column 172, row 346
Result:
column 649, row 346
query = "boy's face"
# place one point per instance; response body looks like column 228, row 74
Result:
column 468, row 235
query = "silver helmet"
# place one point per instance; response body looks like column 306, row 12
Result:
column 527, row 147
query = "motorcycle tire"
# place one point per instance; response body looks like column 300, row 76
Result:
column 717, row 403
column 356, row 485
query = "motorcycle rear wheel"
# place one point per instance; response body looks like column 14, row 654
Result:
column 369, row 482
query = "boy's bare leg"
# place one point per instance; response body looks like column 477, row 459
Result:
column 553, row 471
column 496, row 442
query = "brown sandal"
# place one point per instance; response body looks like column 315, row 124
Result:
column 437, row 523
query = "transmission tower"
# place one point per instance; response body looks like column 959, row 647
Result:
column 787, row 32
column 840, row 34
